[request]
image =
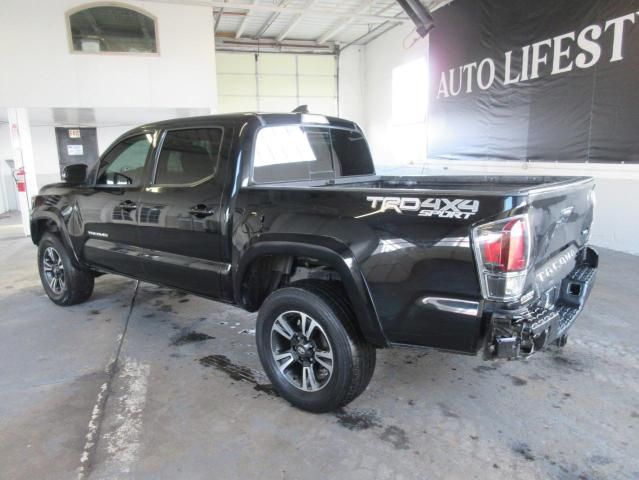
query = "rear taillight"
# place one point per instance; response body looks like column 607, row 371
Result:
column 504, row 248
column 503, row 252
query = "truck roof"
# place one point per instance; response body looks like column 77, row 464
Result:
column 243, row 117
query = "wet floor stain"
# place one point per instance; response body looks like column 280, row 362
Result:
column 357, row 420
column 600, row 460
column 447, row 412
column 166, row 308
column 266, row 388
column 190, row 337
column 524, row 450
column 484, row 369
column 237, row 372
column 396, row 437
column 568, row 363
column 94, row 312
column 517, row 381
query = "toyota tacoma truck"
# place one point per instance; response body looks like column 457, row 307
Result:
column 284, row 213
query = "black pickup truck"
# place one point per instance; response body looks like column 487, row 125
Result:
column 284, row 213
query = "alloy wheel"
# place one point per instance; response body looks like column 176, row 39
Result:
column 53, row 270
column 302, row 351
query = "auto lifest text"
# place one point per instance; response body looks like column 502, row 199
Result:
column 552, row 56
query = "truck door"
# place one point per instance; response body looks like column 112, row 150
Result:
column 110, row 209
column 180, row 211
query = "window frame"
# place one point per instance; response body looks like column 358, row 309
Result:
column 87, row 6
column 149, row 156
column 251, row 175
column 158, row 150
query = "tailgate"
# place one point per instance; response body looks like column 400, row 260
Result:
column 561, row 220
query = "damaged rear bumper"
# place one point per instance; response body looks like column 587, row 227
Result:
column 521, row 332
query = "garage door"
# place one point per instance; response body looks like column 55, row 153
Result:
column 276, row 82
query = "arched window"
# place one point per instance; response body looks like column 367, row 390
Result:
column 109, row 28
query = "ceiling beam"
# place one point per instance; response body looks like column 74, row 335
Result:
column 379, row 29
column 96, row 28
column 346, row 21
column 296, row 19
column 145, row 30
column 226, row 41
column 220, row 12
column 224, row 35
column 269, row 21
column 244, row 23
column 267, row 7
column 91, row 19
column 271, row 18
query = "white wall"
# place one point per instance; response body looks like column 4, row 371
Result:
column 106, row 135
column 8, row 199
column 350, row 81
column 45, row 155
column 617, row 185
column 112, row 92
column 381, row 56
column 39, row 70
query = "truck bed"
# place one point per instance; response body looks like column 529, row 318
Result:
column 465, row 185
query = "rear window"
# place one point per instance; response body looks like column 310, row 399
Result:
column 295, row 152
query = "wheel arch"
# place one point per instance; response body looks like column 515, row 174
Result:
column 44, row 222
column 327, row 251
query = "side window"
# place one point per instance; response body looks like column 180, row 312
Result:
column 124, row 164
column 188, row 156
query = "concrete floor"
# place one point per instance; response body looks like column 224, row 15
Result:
column 154, row 384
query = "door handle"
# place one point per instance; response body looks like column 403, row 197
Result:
column 128, row 205
column 201, row 211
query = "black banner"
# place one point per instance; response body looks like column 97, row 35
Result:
column 542, row 80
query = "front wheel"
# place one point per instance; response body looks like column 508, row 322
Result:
column 311, row 349
column 64, row 283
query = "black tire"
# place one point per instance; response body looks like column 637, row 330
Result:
column 71, row 284
column 337, row 293
column 353, row 359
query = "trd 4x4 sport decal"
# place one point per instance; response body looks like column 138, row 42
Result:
column 431, row 207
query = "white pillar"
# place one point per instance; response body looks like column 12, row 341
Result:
column 20, row 131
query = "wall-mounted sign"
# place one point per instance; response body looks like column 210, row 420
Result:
column 549, row 80
column 76, row 145
column 74, row 150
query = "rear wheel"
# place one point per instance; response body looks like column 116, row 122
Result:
column 63, row 282
column 310, row 348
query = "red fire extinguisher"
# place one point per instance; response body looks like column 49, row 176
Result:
column 20, row 180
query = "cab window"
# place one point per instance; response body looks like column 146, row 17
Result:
column 124, row 164
column 297, row 152
column 188, row 156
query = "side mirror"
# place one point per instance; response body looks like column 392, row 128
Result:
column 75, row 174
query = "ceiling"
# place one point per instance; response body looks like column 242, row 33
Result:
column 314, row 25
